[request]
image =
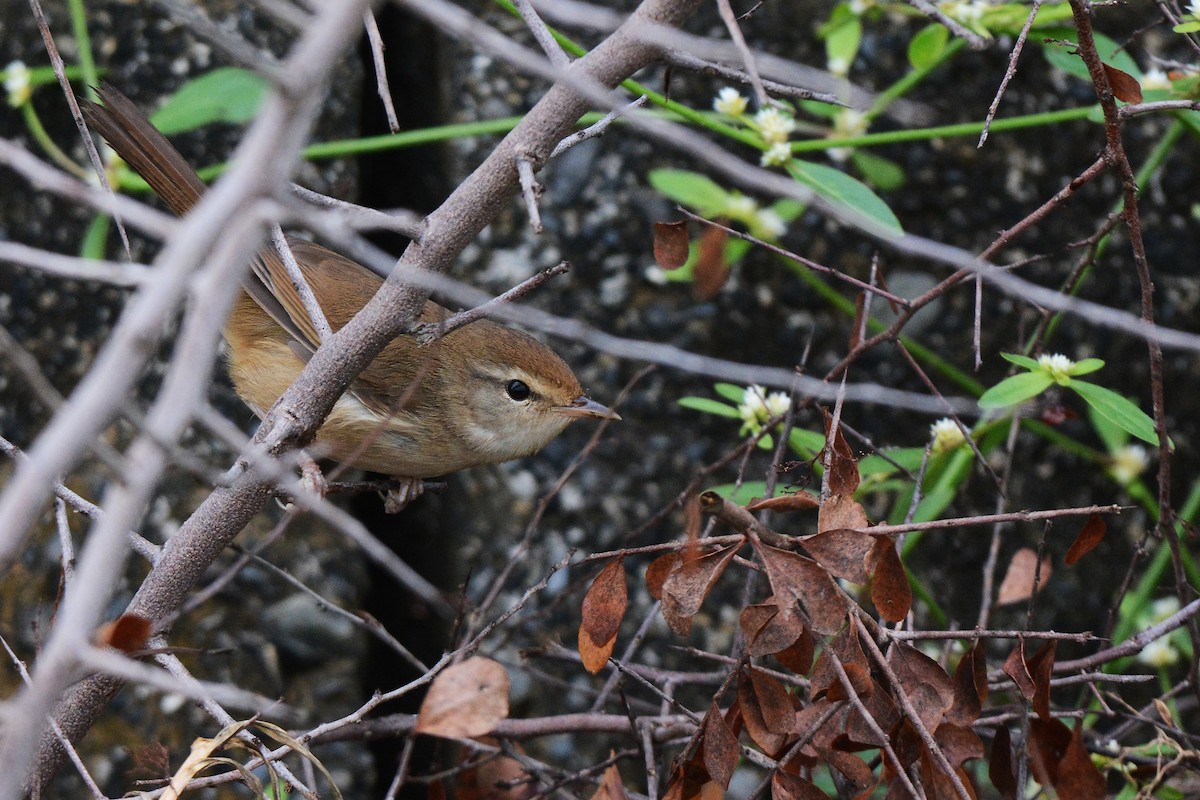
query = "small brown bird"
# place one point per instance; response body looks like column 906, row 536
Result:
column 482, row 394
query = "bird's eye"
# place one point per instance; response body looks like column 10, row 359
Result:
column 517, row 390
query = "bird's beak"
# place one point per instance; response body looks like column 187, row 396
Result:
column 584, row 406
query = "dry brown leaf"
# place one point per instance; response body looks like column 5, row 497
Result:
column 768, row 628
column 127, row 633
column 719, row 749
column 465, row 700
column 861, row 736
column 1001, row 771
column 1078, row 776
column 658, row 571
column 786, row 786
column 710, row 271
column 1048, row 743
column 795, row 577
column 842, row 551
column 1041, row 669
column 890, row 591
column 1124, row 86
column 970, row 686
column 843, row 467
column 1016, row 668
column 929, row 688
column 1090, row 535
column 765, row 717
column 670, row 244
column 603, row 609
column 687, row 585
column 958, row 743
column 798, row 657
column 499, row 778
column 846, row 647
column 796, row 501
column 841, row 511
column 1018, row 581
column 611, row 787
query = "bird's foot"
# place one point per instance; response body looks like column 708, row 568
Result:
column 404, row 492
column 311, row 477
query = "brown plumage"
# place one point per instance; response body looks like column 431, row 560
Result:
column 480, row 395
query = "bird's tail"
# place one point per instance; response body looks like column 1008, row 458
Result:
column 144, row 148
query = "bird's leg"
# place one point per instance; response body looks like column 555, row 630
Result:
column 311, row 477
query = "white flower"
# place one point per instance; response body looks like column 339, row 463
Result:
column 768, row 225
column 774, row 125
column 968, row 12
column 1057, row 366
column 16, row 83
column 740, row 206
column 946, row 435
column 730, row 101
column 859, row 7
column 1127, row 463
column 850, row 122
column 1194, row 8
column 1155, row 78
column 838, row 66
column 776, row 155
column 778, row 404
column 1162, row 608
column 754, row 403
column 1159, row 654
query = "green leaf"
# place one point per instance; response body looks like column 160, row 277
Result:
column 849, row 194
column 709, row 407
column 1117, row 410
column 95, row 238
column 691, row 189
column 806, row 444
column 1021, row 361
column 927, row 45
column 741, row 494
column 1011, row 391
column 1086, row 365
column 730, row 391
column 882, row 173
column 908, row 458
column 1187, row 27
column 841, row 45
column 766, row 443
column 1110, row 52
column 228, row 94
column 1114, row 437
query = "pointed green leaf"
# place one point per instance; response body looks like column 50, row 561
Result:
column 1187, row 27
column 927, row 45
column 228, row 94
column 741, row 494
column 709, row 407
column 1113, row 436
column 806, row 444
column 882, row 173
column 848, row 194
column 691, row 189
column 1021, row 361
column 730, row 391
column 1117, row 410
column 1016, row 389
column 1086, row 365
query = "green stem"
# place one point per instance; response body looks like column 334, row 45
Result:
column 34, row 123
column 83, row 42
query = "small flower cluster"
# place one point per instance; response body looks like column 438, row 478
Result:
column 757, row 408
column 1163, row 651
column 16, row 83
column 946, row 435
column 1057, row 366
column 774, row 125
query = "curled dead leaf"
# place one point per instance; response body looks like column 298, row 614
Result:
column 670, row 244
